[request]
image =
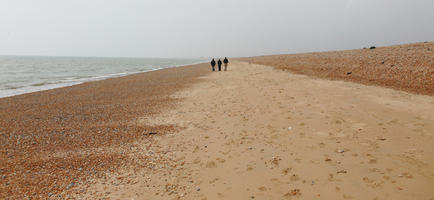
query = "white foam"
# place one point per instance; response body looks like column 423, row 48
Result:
column 69, row 81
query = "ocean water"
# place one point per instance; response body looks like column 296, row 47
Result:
column 24, row 74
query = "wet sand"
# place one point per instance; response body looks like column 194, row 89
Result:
column 256, row 132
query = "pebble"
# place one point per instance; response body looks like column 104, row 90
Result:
column 70, row 185
column 340, row 151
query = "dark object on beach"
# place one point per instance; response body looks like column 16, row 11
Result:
column 213, row 64
column 152, row 133
column 372, row 47
column 348, row 73
column 382, row 62
column 220, row 65
column 226, row 61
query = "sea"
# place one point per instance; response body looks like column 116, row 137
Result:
column 24, row 74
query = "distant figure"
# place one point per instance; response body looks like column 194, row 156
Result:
column 213, row 64
column 220, row 64
column 226, row 61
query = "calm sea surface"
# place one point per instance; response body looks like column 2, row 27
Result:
column 23, row 74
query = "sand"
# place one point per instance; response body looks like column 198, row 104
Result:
column 255, row 132
column 54, row 141
column 407, row 67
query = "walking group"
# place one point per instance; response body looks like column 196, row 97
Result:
column 219, row 63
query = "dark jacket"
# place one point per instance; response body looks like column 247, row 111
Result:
column 219, row 62
column 226, row 60
column 213, row 62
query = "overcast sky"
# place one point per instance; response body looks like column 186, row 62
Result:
column 194, row 28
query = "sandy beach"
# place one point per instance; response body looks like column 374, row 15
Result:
column 255, row 132
column 252, row 132
column 51, row 141
column 131, row 100
column 407, row 67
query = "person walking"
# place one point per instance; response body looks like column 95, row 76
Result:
column 213, row 64
column 220, row 64
column 226, row 61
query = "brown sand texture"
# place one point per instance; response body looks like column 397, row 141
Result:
column 255, row 132
column 53, row 141
column 407, row 67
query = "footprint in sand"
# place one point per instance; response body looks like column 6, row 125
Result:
column 286, row 171
column 294, row 177
column 372, row 161
column 394, row 121
column 250, row 166
column 214, row 180
column 211, row 164
column 221, row 160
column 372, row 183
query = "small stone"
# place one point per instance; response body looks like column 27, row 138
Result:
column 340, row 151
column 289, row 128
column 342, row 172
column 295, row 192
column 70, row 185
column 198, row 189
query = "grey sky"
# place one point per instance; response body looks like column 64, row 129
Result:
column 193, row 28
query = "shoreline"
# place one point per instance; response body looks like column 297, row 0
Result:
column 32, row 89
column 55, row 139
column 189, row 133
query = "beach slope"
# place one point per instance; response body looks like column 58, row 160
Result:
column 407, row 67
column 255, row 132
